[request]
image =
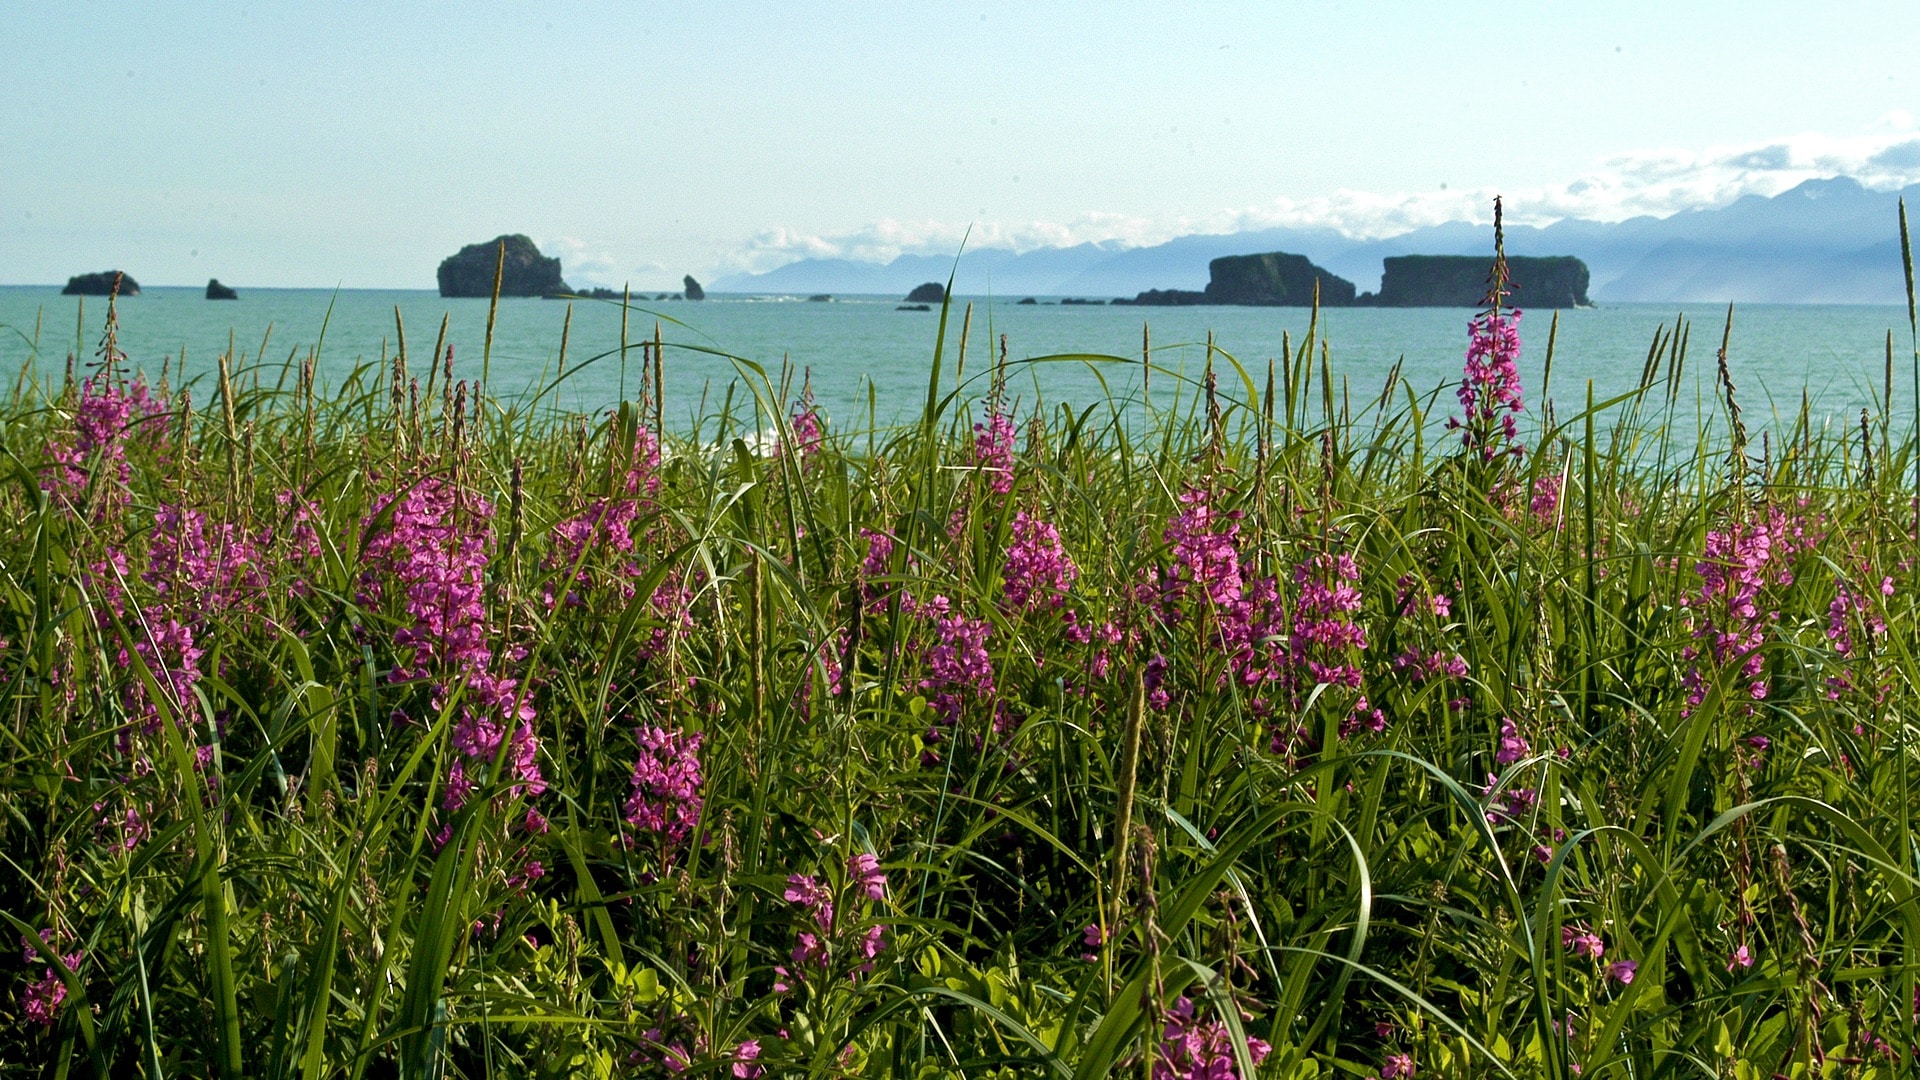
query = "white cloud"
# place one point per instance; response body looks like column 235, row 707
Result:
column 585, row 266
column 1658, row 182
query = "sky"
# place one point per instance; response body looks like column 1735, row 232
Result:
column 357, row 144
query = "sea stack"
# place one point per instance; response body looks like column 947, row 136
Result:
column 217, row 291
column 1273, row 279
column 1558, row 281
column 693, row 289
column 930, row 293
column 525, row 272
column 100, row 284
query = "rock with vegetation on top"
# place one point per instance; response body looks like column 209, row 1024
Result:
column 100, row 284
column 525, row 271
column 1273, row 279
column 1558, row 281
column 930, row 293
column 217, row 291
column 694, row 291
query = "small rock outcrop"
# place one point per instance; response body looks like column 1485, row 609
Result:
column 1165, row 298
column 820, row 298
column 525, row 272
column 1273, row 279
column 913, row 307
column 100, row 284
column 217, row 291
column 1558, row 281
column 1029, row 300
column 931, row 293
column 693, row 289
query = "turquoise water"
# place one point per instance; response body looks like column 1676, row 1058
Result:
column 857, row 345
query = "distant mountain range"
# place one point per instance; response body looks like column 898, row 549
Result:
column 1823, row 242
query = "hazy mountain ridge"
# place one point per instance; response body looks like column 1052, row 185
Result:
column 1824, row 241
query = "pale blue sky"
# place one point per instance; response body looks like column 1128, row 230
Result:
column 359, row 143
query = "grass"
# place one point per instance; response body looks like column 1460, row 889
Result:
column 256, row 637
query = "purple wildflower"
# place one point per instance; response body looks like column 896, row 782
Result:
column 1582, row 942
column 1092, row 937
column 666, row 786
column 1038, row 569
column 1513, row 745
column 42, row 998
column 1195, row 1049
column 993, row 449
column 1490, row 386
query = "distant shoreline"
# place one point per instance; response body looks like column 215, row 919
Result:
column 198, row 293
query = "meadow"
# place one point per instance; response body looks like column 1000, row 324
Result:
column 1258, row 724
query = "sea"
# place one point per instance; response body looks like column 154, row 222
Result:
column 867, row 363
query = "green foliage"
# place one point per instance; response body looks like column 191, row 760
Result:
column 1636, row 694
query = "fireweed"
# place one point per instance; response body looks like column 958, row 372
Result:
column 1206, row 698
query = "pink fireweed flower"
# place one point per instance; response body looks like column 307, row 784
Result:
column 876, row 563
column 434, row 547
column 1397, row 1067
column 1420, row 667
column 864, row 876
column 808, row 950
column 805, row 423
column 1204, row 552
column 1038, row 571
column 1195, row 1049
column 41, row 999
column 743, row 1057
column 1623, row 971
column 665, row 799
column 1741, row 957
column 209, row 569
column 605, row 525
column 1490, row 385
column 1326, row 635
column 1582, row 942
column 1091, row 938
column 96, row 454
column 1729, row 625
column 993, row 449
column 805, row 891
column 1546, row 497
column 958, row 666
column 1513, row 745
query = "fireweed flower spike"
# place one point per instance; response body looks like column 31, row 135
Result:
column 1489, row 392
column 666, row 787
column 1196, row 1049
column 809, row 434
column 1038, row 571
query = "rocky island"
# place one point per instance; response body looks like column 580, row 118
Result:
column 693, row 289
column 1273, row 279
column 525, row 271
column 100, row 284
column 1558, row 281
column 217, row 291
column 931, row 293
column 1279, row 279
